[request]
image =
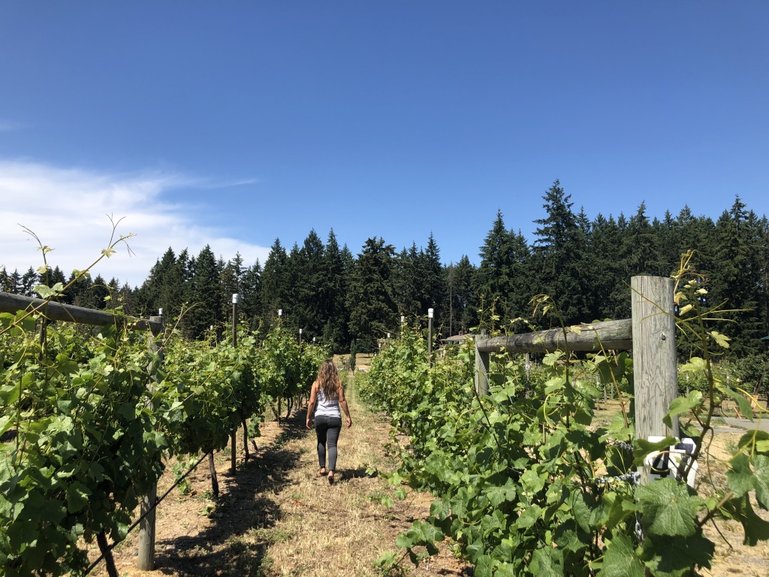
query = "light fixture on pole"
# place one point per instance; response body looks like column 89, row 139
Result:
column 430, row 332
column 235, row 301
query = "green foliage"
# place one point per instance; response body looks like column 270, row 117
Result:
column 92, row 415
column 528, row 482
column 86, row 442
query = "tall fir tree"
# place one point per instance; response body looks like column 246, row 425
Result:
column 503, row 276
column 251, row 301
column 434, row 283
column 610, row 289
column 230, row 278
column 461, row 299
column 373, row 313
column 734, row 277
column 311, row 287
column 275, row 283
column 561, row 253
column 406, row 283
column 205, row 303
column 337, row 267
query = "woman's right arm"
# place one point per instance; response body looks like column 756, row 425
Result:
column 311, row 405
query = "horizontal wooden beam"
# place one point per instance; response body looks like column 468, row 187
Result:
column 10, row 303
column 593, row 337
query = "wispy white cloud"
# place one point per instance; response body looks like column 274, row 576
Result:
column 8, row 126
column 69, row 209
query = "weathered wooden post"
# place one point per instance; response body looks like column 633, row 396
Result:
column 654, row 354
column 146, row 555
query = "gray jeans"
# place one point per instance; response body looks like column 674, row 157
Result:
column 327, row 429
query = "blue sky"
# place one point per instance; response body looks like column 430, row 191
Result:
column 235, row 123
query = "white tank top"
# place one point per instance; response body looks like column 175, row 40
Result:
column 327, row 407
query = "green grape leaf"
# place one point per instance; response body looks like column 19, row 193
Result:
column 9, row 393
column 675, row 556
column 682, row 405
column 47, row 292
column 668, row 509
column 77, row 497
column 743, row 403
column 620, row 559
column 739, row 476
column 761, row 470
column 547, row 562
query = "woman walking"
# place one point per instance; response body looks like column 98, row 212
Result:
column 326, row 399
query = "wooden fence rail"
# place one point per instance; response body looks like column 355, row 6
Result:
column 650, row 334
column 10, row 303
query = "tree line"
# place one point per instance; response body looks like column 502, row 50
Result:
column 351, row 302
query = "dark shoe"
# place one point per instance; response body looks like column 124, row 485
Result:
column 331, row 477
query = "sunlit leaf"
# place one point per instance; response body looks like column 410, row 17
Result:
column 668, row 509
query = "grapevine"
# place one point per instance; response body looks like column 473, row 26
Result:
column 528, row 481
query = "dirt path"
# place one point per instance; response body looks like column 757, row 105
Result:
column 277, row 517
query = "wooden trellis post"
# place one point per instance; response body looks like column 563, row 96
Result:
column 654, row 354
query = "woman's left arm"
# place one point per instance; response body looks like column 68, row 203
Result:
column 345, row 408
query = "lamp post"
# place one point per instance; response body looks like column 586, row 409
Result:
column 300, row 336
column 235, row 302
column 430, row 333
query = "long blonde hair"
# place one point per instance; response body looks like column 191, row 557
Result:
column 328, row 379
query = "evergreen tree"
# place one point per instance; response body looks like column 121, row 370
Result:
column 29, row 281
column 205, row 311
column 406, row 283
column 434, row 283
column 312, row 287
column 275, row 283
column 640, row 249
column 95, row 296
column 606, row 273
column 373, row 312
column 734, row 278
column 290, row 299
column 337, row 266
column 251, row 301
column 14, row 282
column 149, row 295
column 6, row 285
column 78, row 291
column 561, row 251
column 462, row 307
column 503, row 277
column 229, row 284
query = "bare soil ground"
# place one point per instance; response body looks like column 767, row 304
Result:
column 277, row 517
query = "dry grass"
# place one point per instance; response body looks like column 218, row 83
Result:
column 277, row 517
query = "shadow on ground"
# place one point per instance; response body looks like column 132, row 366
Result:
column 236, row 542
